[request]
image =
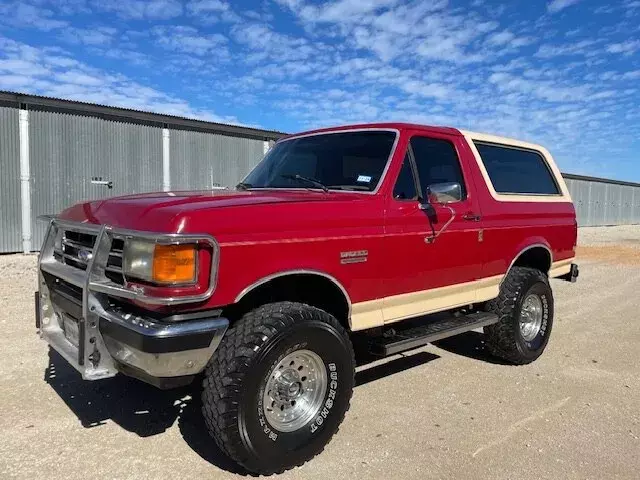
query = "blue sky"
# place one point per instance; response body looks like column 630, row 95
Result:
column 564, row 73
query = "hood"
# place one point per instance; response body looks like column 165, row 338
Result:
column 164, row 211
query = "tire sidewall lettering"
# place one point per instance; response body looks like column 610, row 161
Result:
column 322, row 343
column 541, row 290
column 329, row 399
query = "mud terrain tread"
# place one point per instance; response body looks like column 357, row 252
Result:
column 501, row 341
column 224, row 375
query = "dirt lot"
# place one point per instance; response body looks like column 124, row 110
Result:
column 444, row 411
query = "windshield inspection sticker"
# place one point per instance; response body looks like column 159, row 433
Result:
column 364, row 178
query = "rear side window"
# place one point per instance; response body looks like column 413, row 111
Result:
column 513, row 170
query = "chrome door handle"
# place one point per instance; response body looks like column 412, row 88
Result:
column 471, row 217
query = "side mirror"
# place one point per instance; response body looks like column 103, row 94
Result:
column 444, row 193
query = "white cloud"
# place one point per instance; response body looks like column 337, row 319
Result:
column 583, row 48
column 339, row 10
column 500, row 38
column 211, row 11
column 189, row 40
column 93, row 37
column 141, row 9
column 389, row 27
column 265, row 43
column 556, row 5
column 626, row 48
column 23, row 14
column 34, row 70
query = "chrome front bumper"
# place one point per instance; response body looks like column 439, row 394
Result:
column 76, row 314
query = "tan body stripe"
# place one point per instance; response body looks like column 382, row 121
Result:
column 379, row 312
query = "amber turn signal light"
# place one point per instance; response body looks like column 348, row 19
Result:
column 174, row 264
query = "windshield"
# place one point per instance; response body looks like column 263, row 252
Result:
column 345, row 161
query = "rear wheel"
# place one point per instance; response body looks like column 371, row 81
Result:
column 278, row 386
column 525, row 309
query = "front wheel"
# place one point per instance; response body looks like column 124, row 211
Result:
column 525, row 309
column 278, row 386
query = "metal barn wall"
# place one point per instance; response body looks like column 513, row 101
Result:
column 203, row 160
column 10, row 224
column 604, row 203
column 68, row 150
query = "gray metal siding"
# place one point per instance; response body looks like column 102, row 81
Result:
column 599, row 203
column 203, row 160
column 67, row 151
column 10, row 222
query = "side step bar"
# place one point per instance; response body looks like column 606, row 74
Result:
column 430, row 332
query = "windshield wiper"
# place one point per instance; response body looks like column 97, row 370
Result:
column 310, row 181
column 243, row 186
column 351, row 187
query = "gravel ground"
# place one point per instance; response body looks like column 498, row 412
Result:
column 444, row 411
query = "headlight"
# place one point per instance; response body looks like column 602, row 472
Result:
column 157, row 263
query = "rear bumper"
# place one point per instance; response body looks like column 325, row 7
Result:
column 96, row 334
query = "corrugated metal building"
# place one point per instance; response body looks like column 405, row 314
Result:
column 54, row 153
column 600, row 201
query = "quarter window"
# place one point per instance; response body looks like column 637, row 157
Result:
column 517, row 171
column 437, row 162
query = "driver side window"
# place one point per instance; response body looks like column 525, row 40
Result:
column 437, row 162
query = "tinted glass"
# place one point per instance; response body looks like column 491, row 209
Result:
column 512, row 170
column 405, row 188
column 437, row 162
column 347, row 161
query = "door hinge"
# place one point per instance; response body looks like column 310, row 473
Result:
column 480, row 235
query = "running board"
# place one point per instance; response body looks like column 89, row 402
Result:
column 415, row 337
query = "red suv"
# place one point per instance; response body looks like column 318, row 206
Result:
column 335, row 238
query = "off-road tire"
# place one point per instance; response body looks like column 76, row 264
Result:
column 235, row 379
column 504, row 339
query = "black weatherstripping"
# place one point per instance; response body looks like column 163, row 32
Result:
column 37, row 302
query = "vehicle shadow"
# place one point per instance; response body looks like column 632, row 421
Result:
column 399, row 364
column 146, row 411
column 136, row 407
column 471, row 345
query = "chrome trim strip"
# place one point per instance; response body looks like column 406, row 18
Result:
column 285, row 273
column 535, row 245
column 73, row 244
column 345, row 130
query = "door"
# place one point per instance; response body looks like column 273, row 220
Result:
column 434, row 254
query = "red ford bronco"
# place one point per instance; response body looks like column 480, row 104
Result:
column 335, row 239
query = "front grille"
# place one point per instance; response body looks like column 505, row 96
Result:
column 114, row 265
column 75, row 246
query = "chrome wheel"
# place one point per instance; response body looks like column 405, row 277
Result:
column 295, row 390
column 531, row 317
